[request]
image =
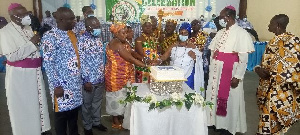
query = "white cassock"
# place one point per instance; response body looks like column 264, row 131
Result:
column 234, row 40
column 25, row 89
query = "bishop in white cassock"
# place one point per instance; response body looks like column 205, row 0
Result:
column 24, row 84
column 230, row 49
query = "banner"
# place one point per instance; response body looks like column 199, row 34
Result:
column 131, row 10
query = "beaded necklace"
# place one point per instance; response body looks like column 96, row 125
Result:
column 182, row 56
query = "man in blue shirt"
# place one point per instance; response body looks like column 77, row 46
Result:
column 80, row 26
column 62, row 65
column 92, row 66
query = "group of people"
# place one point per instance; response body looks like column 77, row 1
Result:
column 80, row 68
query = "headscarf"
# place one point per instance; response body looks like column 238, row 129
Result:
column 115, row 28
column 13, row 6
column 144, row 19
column 186, row 26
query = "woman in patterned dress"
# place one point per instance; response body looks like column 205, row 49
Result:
column 118, row 72
column 146, row 46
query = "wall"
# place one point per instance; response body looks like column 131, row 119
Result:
column 5, row 3
column 260, row 13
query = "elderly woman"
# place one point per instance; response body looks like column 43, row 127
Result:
column 118, row 72
column 186, row 56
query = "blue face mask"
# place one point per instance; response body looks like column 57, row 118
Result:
column 96, row 32
column 183, row 38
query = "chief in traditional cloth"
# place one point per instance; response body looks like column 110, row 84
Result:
column 230, row 50
column 278, row 96
column 24, row 84
column 146, row 45
column 119, row 71
column 168, row 38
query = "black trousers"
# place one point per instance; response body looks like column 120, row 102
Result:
column 64, row 119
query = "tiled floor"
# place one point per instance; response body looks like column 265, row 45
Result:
column 250, row 84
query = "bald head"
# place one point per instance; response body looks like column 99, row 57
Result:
column 282, row 20
column 65, row 18
column 92, row 23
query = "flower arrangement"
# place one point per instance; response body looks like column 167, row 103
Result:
column 175, row 99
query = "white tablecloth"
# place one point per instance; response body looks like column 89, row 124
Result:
column 170, row 121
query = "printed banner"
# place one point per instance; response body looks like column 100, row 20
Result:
column 131, row 10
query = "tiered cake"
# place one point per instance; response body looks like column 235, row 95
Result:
column 166, row 79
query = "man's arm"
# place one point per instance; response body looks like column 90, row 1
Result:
column 21, row 52
column 49, row 55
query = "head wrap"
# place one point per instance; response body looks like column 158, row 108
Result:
column 230, row 7
column 186, row 26
column 115, row 28
column 144, row 19
column 13, row 6
column 172, row 21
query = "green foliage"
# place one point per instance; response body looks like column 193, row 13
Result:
column 188, row 100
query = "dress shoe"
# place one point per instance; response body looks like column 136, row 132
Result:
column 100, row 127
column 88, row 132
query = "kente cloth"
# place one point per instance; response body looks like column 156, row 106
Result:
column 278, row 97
column 117, row 71
column 168, row 41
column 199, row 40
column 150, row 51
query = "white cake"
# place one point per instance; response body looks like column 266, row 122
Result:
column 167, row 73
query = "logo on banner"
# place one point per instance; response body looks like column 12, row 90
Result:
column 124, row 11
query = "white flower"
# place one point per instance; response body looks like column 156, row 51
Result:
column 175, row 96
column 198, row 98
column 152, row 98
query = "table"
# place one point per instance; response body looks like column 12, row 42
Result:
column 256, row 57
column 170, row 121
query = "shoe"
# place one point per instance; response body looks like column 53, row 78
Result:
column 88, row 132
column 117, row 126
column 100, row 127
column 47, row 133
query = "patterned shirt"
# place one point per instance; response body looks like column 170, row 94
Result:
column 92, row 58
column 245, row 24
column 61, row 65
column 79, row 28
column 50, row 21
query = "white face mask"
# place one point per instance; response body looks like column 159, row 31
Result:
column 183, row 38
column 222, row 23
column 245, row 19
column 26, row 20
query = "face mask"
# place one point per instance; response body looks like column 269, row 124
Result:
column 245, row 19
column 222, row 23
column 91, row 15
column 96, row 32
column 26, row 20
column 183, row 38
